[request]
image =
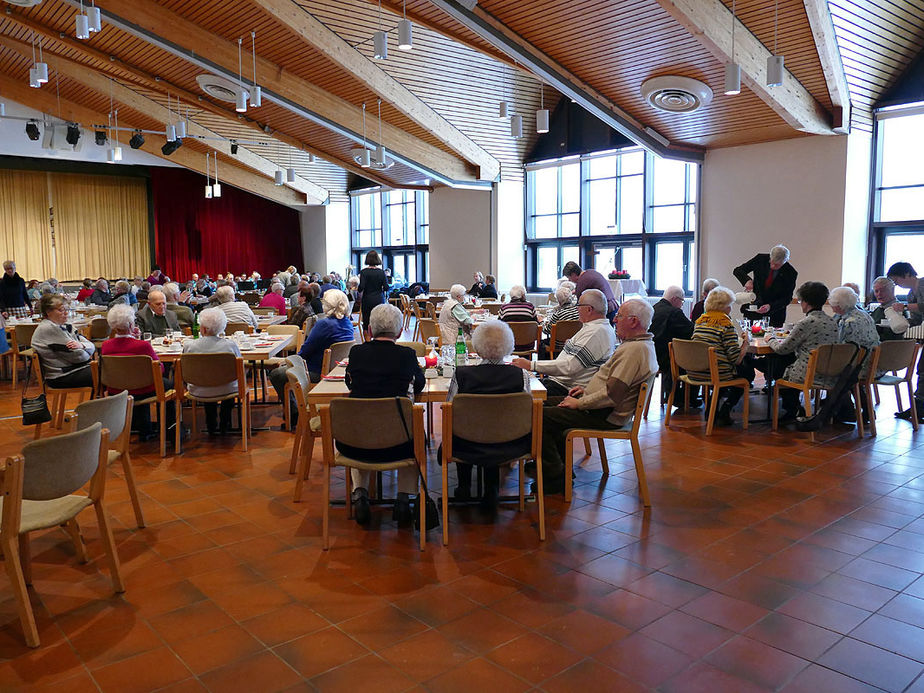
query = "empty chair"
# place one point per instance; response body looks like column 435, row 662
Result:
column 892, row 356
column 560, row 333
column 305, row 433
column 427, row 328
column 334, row 354
column 99, row 331
column 235, row 327
column 39, row 491
column 21, row 347
column 419, row 347
column 526, row 337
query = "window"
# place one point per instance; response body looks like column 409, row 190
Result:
column 396, row 223
column 624, row 210
column 897, row 230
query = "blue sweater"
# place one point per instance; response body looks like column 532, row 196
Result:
column 327, row 331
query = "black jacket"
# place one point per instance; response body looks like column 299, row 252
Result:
column 668, row 323
column 778, row 295
column 13, row 292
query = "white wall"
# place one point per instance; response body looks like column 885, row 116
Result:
column 509, row 267
column 460, row 235
column 790, row 192
column 338, row 236
column 313, row 223
column 325, row 232
column 856, row 209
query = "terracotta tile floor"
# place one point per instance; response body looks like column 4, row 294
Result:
column 766, row 563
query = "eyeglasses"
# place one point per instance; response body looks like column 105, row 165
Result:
column 584, row 305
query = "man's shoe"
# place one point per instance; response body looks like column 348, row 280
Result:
column 723, row 416
column 549, row 486
column 696, row 403
column 906, row 414
column 361, row 510
column 788, row 415
column 401, row 513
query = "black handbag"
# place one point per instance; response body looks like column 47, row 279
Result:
column 34, row 409
column 433, row 514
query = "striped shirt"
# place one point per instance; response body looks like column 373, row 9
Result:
column 568, row 311
column 716, row 330
column 582, row 355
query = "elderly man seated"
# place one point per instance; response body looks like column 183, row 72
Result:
column 609, row 399
column 175, row 298
column 583, row 354
column 154, row 317
column 454, row 316
column 669, row 323
column 890, row 317
column 235, row 311
column 100, row 295
column 212, row 323
column 122, row 295
column 700, row 306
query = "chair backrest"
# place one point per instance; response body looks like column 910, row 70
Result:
column 292, row 330
column 552, row 300
column 209, row 370
column 56, row 467
column 563, row 330
column 107, row 411
column 126, row 372
column 525, row 333
column 492, row 418
column 493, row 308
column 22, row 336
column 296, row 361
column 233, row 327
column 266, row 310
column 99, row 329
column 832, row 359
column 644, row 394
column 37, row 369
column 419, row 347
column 382, row 422
column 429, row 328
column 896, row 354
column 335, row 353
column 691, row 355
column 252, row 299
column 298, row 378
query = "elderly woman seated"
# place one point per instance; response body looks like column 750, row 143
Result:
column 493, row 341
column 518, row 309
column 815, row 329
column 856, row 326
column 715, row 328
column 381, row 368
column 565, row 310
column 125, row 342
column 212, row 323
column 64, row 354
column 453, row 315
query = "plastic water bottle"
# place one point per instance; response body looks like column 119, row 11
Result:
column 460, row 349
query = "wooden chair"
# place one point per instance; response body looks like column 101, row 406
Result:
column 493, row 308
column 294, row 361
column 98, row 331
column 57, row 396
column 38, row 490
column 698, row 357
column 526, row 333
column 212, row 370
column 334, row 354
column 428, row 328
column 629, row 431
column 892, row 356
column 252, row 299
column 384, row 430
column 266, row 310
column 494, row 419
column 115, row 415
column 21, row 347
column 233, row 327
column 141, row 373
column 420, row 349
column 306, row 431
column 406, row 310
column 419, row 315
column 825, row 361
column 562, row 331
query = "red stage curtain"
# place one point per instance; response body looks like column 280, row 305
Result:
column 238, row 232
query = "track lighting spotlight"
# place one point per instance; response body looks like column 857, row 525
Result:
column 73, row 134
column 171, row 146
column 279, row 177
column 32, row 130
column 136, row 140
column 100, row 138
column 290, row 175
column 94, row 19
column 83, row 26
column 380, row 45
column 233, row 147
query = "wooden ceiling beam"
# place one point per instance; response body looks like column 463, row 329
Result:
column 153, row 23
column 338, row 51
column 710, row 22
column 124, row 95
column 819, row 16
column 543, row 66
column 47, row 102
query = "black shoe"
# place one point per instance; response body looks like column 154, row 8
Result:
column 361, row 511
column 461, row 493
column 489, row 500
column 723, row 416
column 549, row 486
column 906, row 414
column 788, row 416
column 401, row 513
column 696, row 403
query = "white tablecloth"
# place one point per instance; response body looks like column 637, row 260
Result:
column 623, row 287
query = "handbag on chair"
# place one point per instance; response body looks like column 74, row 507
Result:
column 433, row 514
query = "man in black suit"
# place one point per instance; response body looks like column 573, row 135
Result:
column 667, row 323
column 773, row 279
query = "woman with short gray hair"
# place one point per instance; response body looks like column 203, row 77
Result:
column 565, row 311
column 212, row 323
column 453, row 315
column 518, row 309
column 699, row 307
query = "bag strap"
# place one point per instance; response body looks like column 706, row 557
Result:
column 423, row 482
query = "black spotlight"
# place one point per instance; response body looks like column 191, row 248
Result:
column 32, row 130
column 100, row 138
column 73, row 134
column 171, row 146
column 234, row 147
column 136, row 140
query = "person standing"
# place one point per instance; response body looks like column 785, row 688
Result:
column 14, row 299
column 905, row 276
column 773, row 280
column 373, row 286
column 591, row 279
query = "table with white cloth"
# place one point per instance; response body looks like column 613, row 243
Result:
column 627, row 287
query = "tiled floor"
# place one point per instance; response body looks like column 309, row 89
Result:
column 766, row 563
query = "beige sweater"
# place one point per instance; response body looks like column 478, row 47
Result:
column 632, row 363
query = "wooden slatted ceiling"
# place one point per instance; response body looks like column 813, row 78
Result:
column 878, row 39
column 458, row 82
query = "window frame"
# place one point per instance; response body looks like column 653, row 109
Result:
column 411, row 247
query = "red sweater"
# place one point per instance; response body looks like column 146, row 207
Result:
column 84, row 294
column 274, row 300
column 129, row 346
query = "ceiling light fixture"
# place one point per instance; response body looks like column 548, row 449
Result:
column 208, row 181
column 468, row 4
column 137, row 140
column 241, row 101
column 362, row 155
column 32, row 130
column 181, row 124
column 516, row 126
column 775, row 61
column 279, row 178
column 542, row 115
column 503, row 108
column 732, row 69
column 73, row 134
column 379, row 158
column 405, row 30
column 380, row 40
column 41, row 67
column 115, row 152
column 83, row 24
column 256, row 93
column 93, row 18
column 233, row 147
column 216, row 186
column 171, row 146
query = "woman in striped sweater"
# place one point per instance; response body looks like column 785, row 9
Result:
column 716, row 328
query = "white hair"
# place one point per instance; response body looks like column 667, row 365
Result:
column 640, row 309
column 518, row 291
column 225, row 294
column 567, row 282
column 595, row 299
column 709, row 284
column 457, row 291
column 171, row 291
column 121, row 318
column 154, row 292
column 779, row 253
column 277, row 287
column 335, row 303
column 563, row 295
column 385, row 321
column 883, row 281
column 843, row 297
column 493, row 340
column 213, row 321
column 718, row 299
column 673, row 292
column 353, row 281
column 121, row 286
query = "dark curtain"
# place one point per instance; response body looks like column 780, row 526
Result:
column 238, row 232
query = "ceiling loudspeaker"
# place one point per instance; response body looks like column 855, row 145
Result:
column 374, row 158
column 674, row 94
column 221, row 88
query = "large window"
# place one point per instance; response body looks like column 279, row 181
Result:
column 897, row 232
column 395, row 223
column 624, row 210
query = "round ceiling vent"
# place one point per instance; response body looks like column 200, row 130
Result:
column 220, row 88
column 676, row 94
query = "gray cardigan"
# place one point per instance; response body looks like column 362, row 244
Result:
column 49, row 340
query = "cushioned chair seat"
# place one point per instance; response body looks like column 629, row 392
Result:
column 344, row 461
column 886, row 379
column 50, row 513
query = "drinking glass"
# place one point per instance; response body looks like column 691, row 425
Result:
column 146, row 336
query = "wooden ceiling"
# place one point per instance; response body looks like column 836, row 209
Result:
column 439, row 101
